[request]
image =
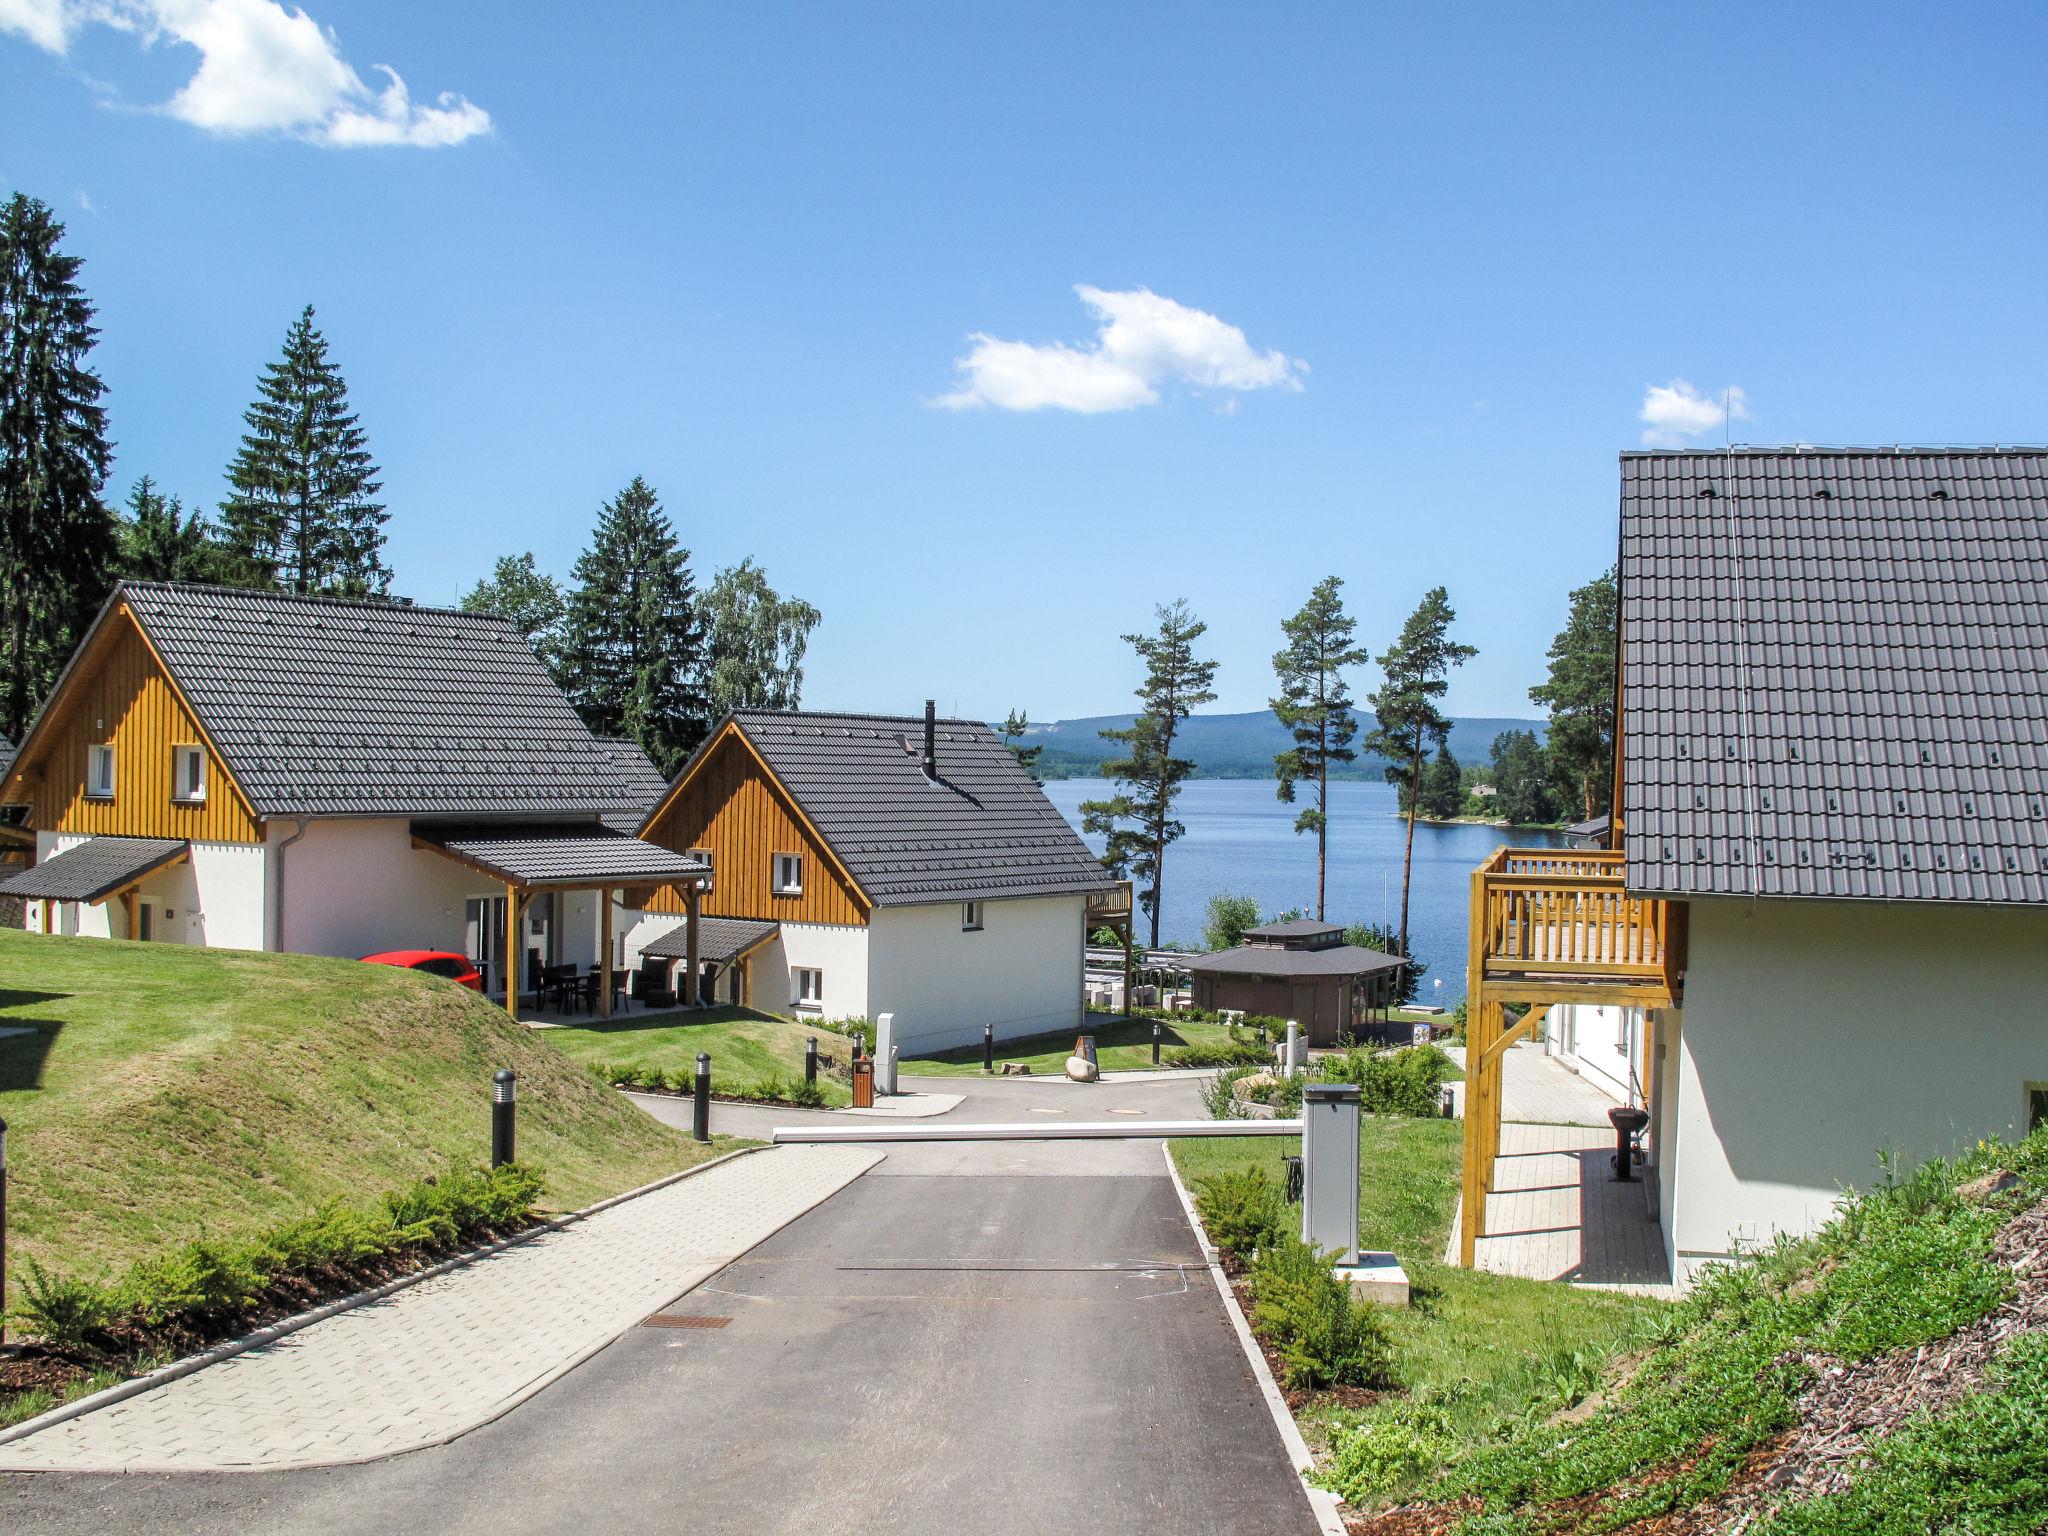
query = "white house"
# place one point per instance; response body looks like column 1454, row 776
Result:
column 870, row 864
column 256, row 770
column 1823, row 935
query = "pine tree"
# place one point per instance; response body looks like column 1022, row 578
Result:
column 633, row 651
column 519, row 590
column 304, row 513
column 1137, row 822
column 1417, row 670
column 754, row 640
column 1443, row 786
column 1580, row 698
column 1014, row 729
column 56, row 533
column 1315, row 704
column 1521, row 774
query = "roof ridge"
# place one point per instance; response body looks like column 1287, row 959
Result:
column 1844, row 450
column 312, row 599
column 856, row 714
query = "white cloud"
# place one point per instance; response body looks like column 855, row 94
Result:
column 1675, row 414
column 1142, row 342
column 85, row 201
column 263, row 68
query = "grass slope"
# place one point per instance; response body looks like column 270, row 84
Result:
column 1474, row 1350
column 165, row 1092
column 748, row 1050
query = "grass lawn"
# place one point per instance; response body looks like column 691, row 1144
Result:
column 1120, row 1044
column 163, row 1092
column 1479, row 1346
column 748, row 1049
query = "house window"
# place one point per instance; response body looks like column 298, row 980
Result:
column 808, row 985
column 789, row 874
column 2037, row 1106
column 99, row 771
column 703, row 856
column 188, row 774
column 970, row 917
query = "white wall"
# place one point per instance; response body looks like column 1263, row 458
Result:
column 842, row 953
column 1021, row 972
column 215, row 897
column 1817, row 1033
column 1598, row 1041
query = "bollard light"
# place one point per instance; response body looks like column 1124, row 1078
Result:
column 988, row 1047
column 700, row 1115
column 1155, row 1042
column 504, row 1103
column 811, row 1059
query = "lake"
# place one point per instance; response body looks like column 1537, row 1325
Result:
column 1241, row 838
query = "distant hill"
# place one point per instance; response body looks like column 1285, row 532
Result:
column 1240, row 746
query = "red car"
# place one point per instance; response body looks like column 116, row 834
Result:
column 459, row 969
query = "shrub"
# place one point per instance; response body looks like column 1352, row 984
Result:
column 806, row 1094
column 1223, row 1053
column 1392, row 1451
column 1217, row 1096
column 64, row 1312
column 1406, row 1081
column 1241, row 1209
column 1323, row 1334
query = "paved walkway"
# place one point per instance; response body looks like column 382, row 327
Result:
column 1536, row 1089
column 436, row 1360
column 1556, row 1213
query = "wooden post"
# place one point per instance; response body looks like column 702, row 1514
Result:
column 604, row 944
column 515, row 952
column 128, row 909
column 49, row 915
column 690, row 902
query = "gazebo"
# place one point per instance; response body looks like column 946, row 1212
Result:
column 1300, row 970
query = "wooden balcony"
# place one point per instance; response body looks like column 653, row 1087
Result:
column 1111, row 908
column 1555, row 925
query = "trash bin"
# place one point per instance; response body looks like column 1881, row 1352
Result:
column 864, row 1083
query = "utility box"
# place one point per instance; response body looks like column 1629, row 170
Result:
column 1329, row 1146
column 885, row 1053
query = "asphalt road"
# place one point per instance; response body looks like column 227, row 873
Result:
column 1008, row 1337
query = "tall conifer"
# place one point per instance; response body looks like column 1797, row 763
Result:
column 304, row 513
column 56, row 533
column 1316, row 707
column 633, row 645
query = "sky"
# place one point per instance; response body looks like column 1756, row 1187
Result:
column 987, row 329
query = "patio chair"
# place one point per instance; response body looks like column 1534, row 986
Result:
column 653, row 988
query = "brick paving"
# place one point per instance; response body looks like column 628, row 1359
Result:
column 433, row 1361
column 1556, row 1213
column 1536, row 1089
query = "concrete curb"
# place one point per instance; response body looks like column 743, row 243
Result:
column 1323, row 1503
column 270, row 1333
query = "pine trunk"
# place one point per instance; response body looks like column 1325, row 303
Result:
column 1408, row 853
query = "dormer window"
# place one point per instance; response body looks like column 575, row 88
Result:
column 188, row 775
column 99, row 771
column 789, row 874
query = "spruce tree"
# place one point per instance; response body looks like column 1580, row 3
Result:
column 304, row 513
column 1417, row 670
column 633, row 642
column 1137, row 822
column 1316, row 707
column 56, row 533
column 161, row 541
column 1580, row 697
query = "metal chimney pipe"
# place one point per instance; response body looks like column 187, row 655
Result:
column 931, row 739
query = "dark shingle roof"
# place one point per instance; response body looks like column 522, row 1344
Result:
column 648, row 784
column 95, row 868
column 323, row 707
column 560, row 855
column 985, row 829
column 1835, row 674
column 1269, row 960
column 1293, row 928
column 718, row 939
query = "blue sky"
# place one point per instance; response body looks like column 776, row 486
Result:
column 1379, row 291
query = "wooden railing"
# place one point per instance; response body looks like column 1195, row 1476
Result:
column 1111, row 905
column 1564, row 912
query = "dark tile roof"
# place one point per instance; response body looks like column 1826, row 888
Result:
column 648, row 784
column 1835, row 674
column 1269, row 960
column 718, row 938
column 1293, row 928
column 559, row 855
column 985, row 829
column 95, row 868
column 324, row 707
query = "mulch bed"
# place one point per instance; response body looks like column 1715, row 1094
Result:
column 131, row 1346
column 1296, row 1398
